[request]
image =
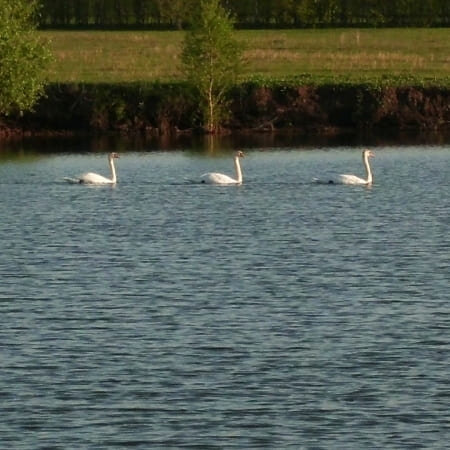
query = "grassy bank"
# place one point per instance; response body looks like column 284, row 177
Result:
column 308, row 80
column 397, row 56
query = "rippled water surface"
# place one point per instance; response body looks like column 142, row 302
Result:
column 162, row 313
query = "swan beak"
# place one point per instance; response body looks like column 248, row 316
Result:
column 372, row 154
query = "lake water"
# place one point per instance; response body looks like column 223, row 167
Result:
column 162, row 313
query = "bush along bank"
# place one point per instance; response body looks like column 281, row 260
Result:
column 165, row 108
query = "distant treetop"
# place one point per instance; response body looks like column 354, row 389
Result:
column 173, row 14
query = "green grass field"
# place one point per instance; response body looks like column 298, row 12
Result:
column 338, row 55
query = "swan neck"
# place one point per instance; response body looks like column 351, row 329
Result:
column 113, row 170
column 369, row 178
column 237, row 165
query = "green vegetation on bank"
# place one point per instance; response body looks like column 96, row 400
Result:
column 407, row 56
column 23, row 57
column 211, row 57
column 329, row 79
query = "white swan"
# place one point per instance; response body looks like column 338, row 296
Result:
column 94, row 178
column 353, row 179
column 220, row 178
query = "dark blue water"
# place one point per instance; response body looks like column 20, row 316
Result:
column 277, row 314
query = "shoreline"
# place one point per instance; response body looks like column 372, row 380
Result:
column 157, row 110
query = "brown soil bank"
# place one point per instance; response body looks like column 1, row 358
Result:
column 166, row 108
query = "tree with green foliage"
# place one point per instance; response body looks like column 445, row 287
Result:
column 23, row 57
column 211, row 57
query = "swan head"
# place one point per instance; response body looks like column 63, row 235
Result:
column 239, row 154
column 368, row 153
column 113, row 155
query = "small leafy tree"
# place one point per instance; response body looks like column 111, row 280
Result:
column 211, row 57
column 23, row 58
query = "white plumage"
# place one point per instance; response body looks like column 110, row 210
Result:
column 95, row 178
column 220, row 178
column 353, row 179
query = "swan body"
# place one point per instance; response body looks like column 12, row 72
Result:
column 220, row 178
column 349, row 179
column 95, row 178
column 353, row 179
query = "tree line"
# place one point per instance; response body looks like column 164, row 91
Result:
column 175, row 14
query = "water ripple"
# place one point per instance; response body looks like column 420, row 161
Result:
column 277, row 314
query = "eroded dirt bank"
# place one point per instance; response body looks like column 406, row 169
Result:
column 170, row 108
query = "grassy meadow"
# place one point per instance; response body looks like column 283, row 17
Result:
column 338, row 55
